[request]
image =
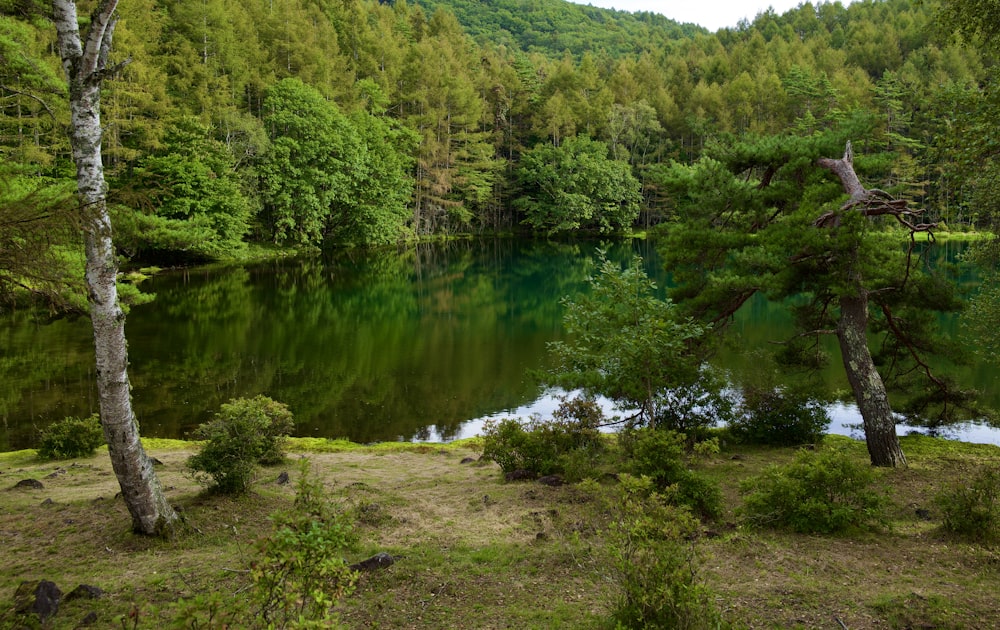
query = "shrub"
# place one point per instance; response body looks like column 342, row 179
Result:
column 71, row 437
column 822, row 492
column 245, row 433
column 778, row 417
column 299, row 572
column 972, row 509
column 695, row 407
column 546, row 447
column 654, row 562
column 296, row 573
column 659, row 455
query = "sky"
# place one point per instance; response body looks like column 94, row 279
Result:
column 712, row 14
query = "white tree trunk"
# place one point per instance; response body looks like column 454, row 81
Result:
column 85, row 65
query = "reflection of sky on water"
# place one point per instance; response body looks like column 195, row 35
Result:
column 845, row 420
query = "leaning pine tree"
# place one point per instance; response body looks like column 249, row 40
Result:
column 766, row 216
column 85, row 62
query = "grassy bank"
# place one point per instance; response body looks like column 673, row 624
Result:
column 473, row 551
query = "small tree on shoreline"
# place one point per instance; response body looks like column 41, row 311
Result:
column 626, row 343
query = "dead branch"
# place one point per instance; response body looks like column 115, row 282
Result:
column 38, row 100
column 871, row 202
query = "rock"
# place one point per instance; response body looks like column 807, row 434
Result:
column 378, row 561
column 467, row 460
column 519, row 475
column 85, row 591
column 89, row 619
column 38, row 597
column 29, row 484
column 155, row 461
column 48, row 501
column 283, row 478
column 369, row 509
column 552, row 480
column 923, row 514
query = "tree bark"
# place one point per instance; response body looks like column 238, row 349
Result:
column 85, row 64
column 866, row 383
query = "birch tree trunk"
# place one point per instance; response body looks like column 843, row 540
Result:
column 85, row 64
column 852, row 333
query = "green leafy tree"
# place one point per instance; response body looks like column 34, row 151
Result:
column 192, row 201
column 327, row 175
column 382, row 182
column 576, row 185
column 625, row 343
column 307, row 168
column 29, row 129
column 137, row 99
column 978, row 21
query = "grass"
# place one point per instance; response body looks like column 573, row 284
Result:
column 475, row 552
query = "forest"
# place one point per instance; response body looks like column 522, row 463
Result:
column 353, row 122
column 810, row 158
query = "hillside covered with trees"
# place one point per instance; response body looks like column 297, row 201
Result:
column 309, row 122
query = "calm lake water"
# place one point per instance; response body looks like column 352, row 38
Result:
column 415, row 344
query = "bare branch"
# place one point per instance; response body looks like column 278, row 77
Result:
column 32, row 97
column 910, row 348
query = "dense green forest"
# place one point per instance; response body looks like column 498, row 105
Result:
column 354, row 122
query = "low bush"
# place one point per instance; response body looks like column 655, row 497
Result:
column 568, row 441
column 972, row 510
column 778, row 417
column 693, row 409
column 296, row 573
column 660, row 455
column 244, row 434
column 820, row 492
column 655, row 566
column 299, row 572
column 71, row 437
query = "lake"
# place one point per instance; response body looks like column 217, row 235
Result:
column 419, row 343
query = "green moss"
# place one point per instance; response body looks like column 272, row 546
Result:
column 18, row 458
column 341, row 445
column 165, row 444
column 934, row 447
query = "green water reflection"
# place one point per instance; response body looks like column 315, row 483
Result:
column 370, row 346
